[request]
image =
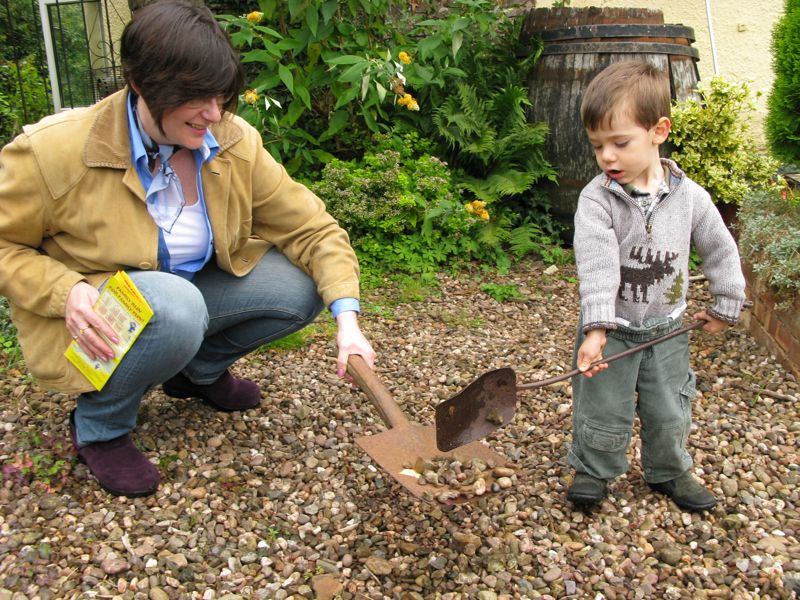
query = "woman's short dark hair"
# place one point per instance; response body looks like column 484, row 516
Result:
column 174, row 51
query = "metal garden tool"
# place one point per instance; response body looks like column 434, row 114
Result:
column 405, row 442
column 491, row 400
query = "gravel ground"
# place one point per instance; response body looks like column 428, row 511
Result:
column 281, row 502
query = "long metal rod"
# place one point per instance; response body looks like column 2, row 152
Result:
column 612, row 358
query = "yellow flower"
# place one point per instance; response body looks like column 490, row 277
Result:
column 408, row 101
column 251, row 96
column 477, row 208
column 405, row 58
column 255, row 16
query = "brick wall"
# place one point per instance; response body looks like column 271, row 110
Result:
column 776, row 330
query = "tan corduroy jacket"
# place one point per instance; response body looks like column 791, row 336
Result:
column 72, row 208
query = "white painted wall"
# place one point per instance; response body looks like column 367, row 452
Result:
column 741, row 34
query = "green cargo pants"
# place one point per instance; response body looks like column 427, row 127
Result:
column 604, row 406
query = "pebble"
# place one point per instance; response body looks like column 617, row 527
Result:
column 281, row 502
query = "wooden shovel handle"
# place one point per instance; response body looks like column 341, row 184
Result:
column 612, row 358
column 366, row 379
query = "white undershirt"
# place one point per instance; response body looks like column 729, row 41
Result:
column 188, row 239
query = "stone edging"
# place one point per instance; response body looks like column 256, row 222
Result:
column 776, row 330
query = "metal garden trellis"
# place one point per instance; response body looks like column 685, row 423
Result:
column 73, row 45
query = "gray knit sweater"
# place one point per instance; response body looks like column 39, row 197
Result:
column 635, row 270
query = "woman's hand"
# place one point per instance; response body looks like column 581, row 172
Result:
column 713, row 325
column 85, row 325
column 591, row 351
column 350, row 340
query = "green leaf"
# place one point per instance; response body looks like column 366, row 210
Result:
column 381, row 91
column 295, row 6
column 364, row 85
column 335, row 125
column 322, row 156
column 286, row 77
column 269, row 31
column 301, row 92
column 424, row 73
column 267, row 7
column 328, row 10
column 369, row 119
column 348, row 96
column 296, row 109
column 312, row 20
column 428, row 45
column 347, row 59
column 259, row 56
column 458, row 39
column 354, row 73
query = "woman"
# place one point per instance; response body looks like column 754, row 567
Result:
column 163, row 181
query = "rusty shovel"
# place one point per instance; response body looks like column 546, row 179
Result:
column 402, row 445
column 491, row 400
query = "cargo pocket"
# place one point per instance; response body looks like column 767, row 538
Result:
column 688, row 393
column 604, row 439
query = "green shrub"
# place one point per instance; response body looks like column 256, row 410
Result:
column 34, row 91
column 405, row 212
column 325, row 75
column 713, row 145
column 309, row 102
column 769, row 239
column 783, row 110
column 399, row 206
column 10, row 353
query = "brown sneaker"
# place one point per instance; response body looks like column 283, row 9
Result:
column 686, row 492
column 118, row 465
column 228, row 393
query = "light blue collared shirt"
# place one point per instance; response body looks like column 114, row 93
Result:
column 205, row 153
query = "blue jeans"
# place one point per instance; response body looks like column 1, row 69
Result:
column 200, row 328
column 604, row 407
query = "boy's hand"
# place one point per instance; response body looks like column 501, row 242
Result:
column 712, row 325
column 591, row 350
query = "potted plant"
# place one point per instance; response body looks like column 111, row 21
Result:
column 712, row 142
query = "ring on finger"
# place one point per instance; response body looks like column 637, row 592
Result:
column 83, row 329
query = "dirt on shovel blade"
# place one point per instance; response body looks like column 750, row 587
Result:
column 407, row 451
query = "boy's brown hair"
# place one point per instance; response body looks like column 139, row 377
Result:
column 635, row 88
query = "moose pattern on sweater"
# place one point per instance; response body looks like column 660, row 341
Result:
column 653, row 269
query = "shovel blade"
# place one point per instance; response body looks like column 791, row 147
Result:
column 484, row 405
column 397, row 449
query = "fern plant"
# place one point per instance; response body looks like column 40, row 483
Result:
column 493, row 149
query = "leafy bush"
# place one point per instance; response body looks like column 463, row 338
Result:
column 770, row 239
column 490, row 142
column 310, row 104
column 327, row 75
column 713, row 144
column 34, row 91
column 783, row 110
column 404, row 212
column 399, row 206
column 10, row 353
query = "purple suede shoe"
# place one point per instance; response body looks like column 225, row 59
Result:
column 228, row 393
column 118, row 465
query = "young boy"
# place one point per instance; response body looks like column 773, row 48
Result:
column 634, row 226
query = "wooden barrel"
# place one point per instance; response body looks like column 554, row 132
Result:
column 577, row 43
